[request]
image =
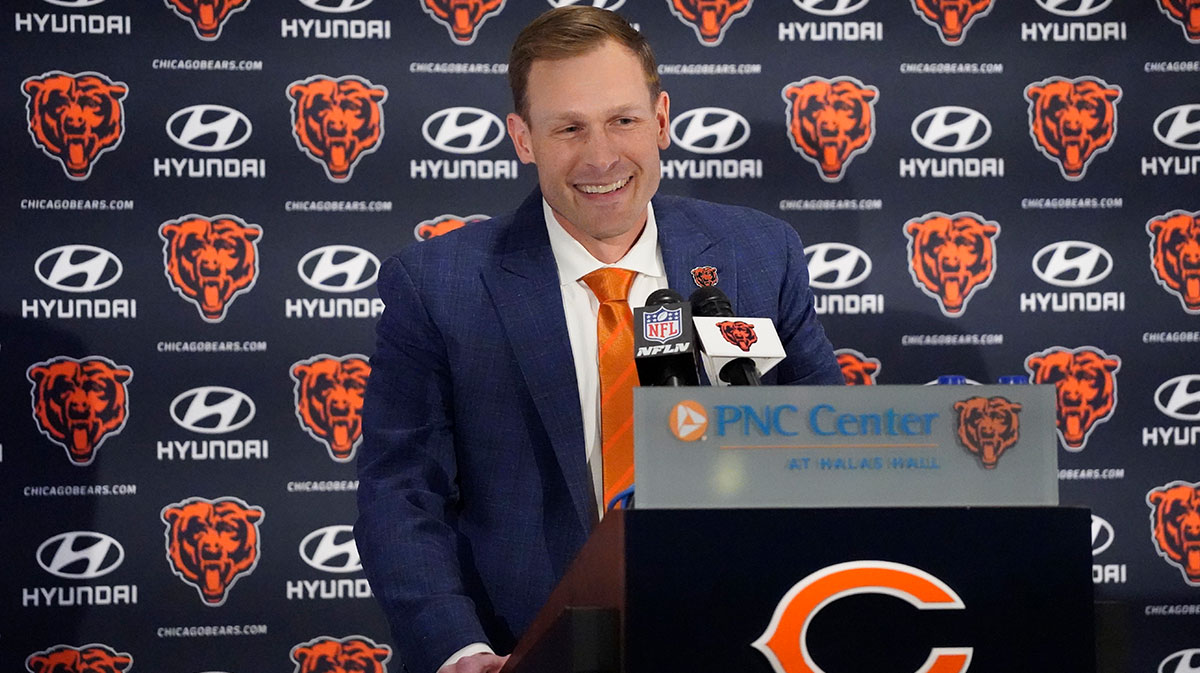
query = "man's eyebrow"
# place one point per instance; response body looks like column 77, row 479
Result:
column 572, row 116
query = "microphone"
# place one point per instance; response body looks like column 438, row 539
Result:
column 664, row 341
column 735, row 351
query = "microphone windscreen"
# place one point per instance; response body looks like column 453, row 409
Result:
column 712, row 302
column 664, row 296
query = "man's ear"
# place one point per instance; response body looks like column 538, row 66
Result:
column 662, row 115
column 522, row 140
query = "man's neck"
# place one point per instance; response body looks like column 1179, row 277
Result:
column 607, row 250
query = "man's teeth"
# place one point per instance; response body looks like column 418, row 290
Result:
column 603, row 189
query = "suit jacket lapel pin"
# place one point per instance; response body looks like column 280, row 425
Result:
column 705, row 276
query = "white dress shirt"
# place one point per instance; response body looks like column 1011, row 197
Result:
column 581, row 308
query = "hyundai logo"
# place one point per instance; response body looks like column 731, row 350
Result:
column 209, row 128
column 951, row 128
column 331, row 549
column 78, row 268
column 75, row 4
column 1072, row 263
column 336, row 6
column 710, row 130
column 1183, row 661
column 1102, row 535
column 80, row 555
column 836, row 266
column 1179, row 127
column 338, row 268
column 600, row 4
column 463, row 130
column 1074, row 8
column 212, row 410
column 831, row 7
column 1179, row 397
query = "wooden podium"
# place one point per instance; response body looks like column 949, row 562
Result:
column 884, row 590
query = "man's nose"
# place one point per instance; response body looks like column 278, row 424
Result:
column 600, row 151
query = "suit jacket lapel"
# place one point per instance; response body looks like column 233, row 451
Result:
column 689, row 243
column 525, row 290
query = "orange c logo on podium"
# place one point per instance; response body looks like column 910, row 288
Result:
column 785, row 642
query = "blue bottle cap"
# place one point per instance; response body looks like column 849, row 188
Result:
column 1013, row 379
column 951, row 380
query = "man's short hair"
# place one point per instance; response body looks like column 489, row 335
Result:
column 569, row 31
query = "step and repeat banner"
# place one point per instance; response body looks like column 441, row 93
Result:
column 198, row 195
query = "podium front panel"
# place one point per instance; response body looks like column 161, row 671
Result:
column 703, row 586
column 845, row 446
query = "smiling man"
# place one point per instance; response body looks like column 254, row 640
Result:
column 495, row 424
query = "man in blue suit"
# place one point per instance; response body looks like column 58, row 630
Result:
column 477, row 471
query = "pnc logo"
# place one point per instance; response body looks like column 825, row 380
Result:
column 785, row 642
column 1175, row 255
column 338, row 268
column 830, row 121
column 951, row 257
column 78, row 268
column 1183, row 661
column 1175, row 526
column 443, row 224
column 463, row 130
column 331, row 549
column 75, row 118
column 207, row 16
column 1074, row 8
column 1072, row 120
column 1102, row 535
column 836, row 266
column 1179, row 127
column 687, row 421
column 90, row 658
column 952, row 18
column 831, row 7
column 710, row 130
column 209, row 128
column 210, row 261
column 352, row 653
column 599, row 4
column 1085, row 385
column 78, row 404
column 462, row 17
column 1184, row 13
column 337, row 121
column 857, row 368
column 1179, row 397
column 80, row 555
column 709, row 18
column 212, row 543
column 212, row 410
column 336, row 6
column 1072, row 263
column 951, row 128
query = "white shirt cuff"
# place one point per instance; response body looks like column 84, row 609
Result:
column 473, row 648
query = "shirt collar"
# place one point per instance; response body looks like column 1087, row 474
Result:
column 575, row 262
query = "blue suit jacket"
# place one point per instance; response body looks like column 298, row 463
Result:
column 474, row 494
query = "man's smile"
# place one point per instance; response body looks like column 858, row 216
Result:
column 604, row 189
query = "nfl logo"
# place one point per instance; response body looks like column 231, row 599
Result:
column 662, row 325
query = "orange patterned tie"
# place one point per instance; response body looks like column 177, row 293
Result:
column 618, row 375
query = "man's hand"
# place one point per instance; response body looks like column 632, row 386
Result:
column 484, row 662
